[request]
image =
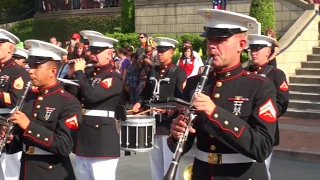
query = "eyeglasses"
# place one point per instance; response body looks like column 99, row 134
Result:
column 141, row 37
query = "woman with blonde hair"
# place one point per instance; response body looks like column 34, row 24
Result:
column 275, row 47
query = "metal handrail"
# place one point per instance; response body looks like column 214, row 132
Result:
column 299, row 33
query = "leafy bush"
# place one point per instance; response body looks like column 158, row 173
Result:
column 127, row 16
column 244, row 56
column 128, row 39
column 263, row 11
column 63, row 28
column 23, row 29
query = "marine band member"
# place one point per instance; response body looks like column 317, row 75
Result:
column 13, row 79
column 260, row 50
column 236, row 113
column 49, row 118
column 98, row 148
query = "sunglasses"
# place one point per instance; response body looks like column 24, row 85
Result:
column 141, row 37
column 97, row 50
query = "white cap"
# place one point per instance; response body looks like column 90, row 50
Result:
column 21, row 52
column 219, row 19
column 44, row 49
column 9, row 36
column 166, row 42
column 86, row 33
column 101, row 41
column 260, row 40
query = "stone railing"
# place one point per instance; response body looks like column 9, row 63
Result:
column 7, row 26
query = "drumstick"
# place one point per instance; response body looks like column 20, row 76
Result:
column 146, row 111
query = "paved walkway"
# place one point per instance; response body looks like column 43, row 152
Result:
column 299, row 139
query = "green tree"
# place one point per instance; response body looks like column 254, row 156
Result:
column 263, row 11
column 127, row 16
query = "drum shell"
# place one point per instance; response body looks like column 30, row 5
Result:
column 137, row 133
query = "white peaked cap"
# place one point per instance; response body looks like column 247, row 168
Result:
column 260, row 39
column 21, row 52
column 101, row 41
column 167, row 42
column 86, row 33
column 44, row 49
column 9, row 36
column 221, row 19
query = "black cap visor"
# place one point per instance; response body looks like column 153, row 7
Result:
column 162, row 49
column 220, row 32
column 97, row 50
column 38, row 59
column 17, row 56
column 257, row 47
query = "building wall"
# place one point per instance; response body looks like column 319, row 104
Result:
column 180, row 16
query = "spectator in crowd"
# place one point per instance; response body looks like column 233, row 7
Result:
column 75, row 39
column 53, row 40
column 132, row 81
column 188, row 62
column 146, row 61
column 143, row 43
column 195, row 65
column 79, row 51
column 129, row 50
column 275, row 47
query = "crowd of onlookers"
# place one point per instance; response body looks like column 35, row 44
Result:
column 57, row 5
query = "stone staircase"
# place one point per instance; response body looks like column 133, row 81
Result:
column 305, row 89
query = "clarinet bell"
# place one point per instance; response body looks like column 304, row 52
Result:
column 187, row 172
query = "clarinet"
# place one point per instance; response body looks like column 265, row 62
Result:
column 189, row 117
column 8, row 124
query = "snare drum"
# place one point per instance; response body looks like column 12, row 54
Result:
column 137, row 133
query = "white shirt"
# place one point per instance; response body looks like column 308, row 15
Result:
column 197, row 64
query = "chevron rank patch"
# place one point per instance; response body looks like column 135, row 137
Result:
column 18, row 83
column 106, row 83
column 284, row 86
column 72, row 122
column 267, row 111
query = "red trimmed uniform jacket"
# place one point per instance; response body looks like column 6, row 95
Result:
column 278, row 77
column 54, row 117
column 244, row 121
column 99, row 90
column 13, row 79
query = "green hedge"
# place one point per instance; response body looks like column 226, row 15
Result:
column 63, row 28
column 263, row 11
column 24, row 30
column 127, row 16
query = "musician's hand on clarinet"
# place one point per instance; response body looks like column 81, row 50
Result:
column 70, row 70
column 136, row 107
column 3, row 133
column 178, row 127
column 79, row 64
column 20, row 119
column 204, row 103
